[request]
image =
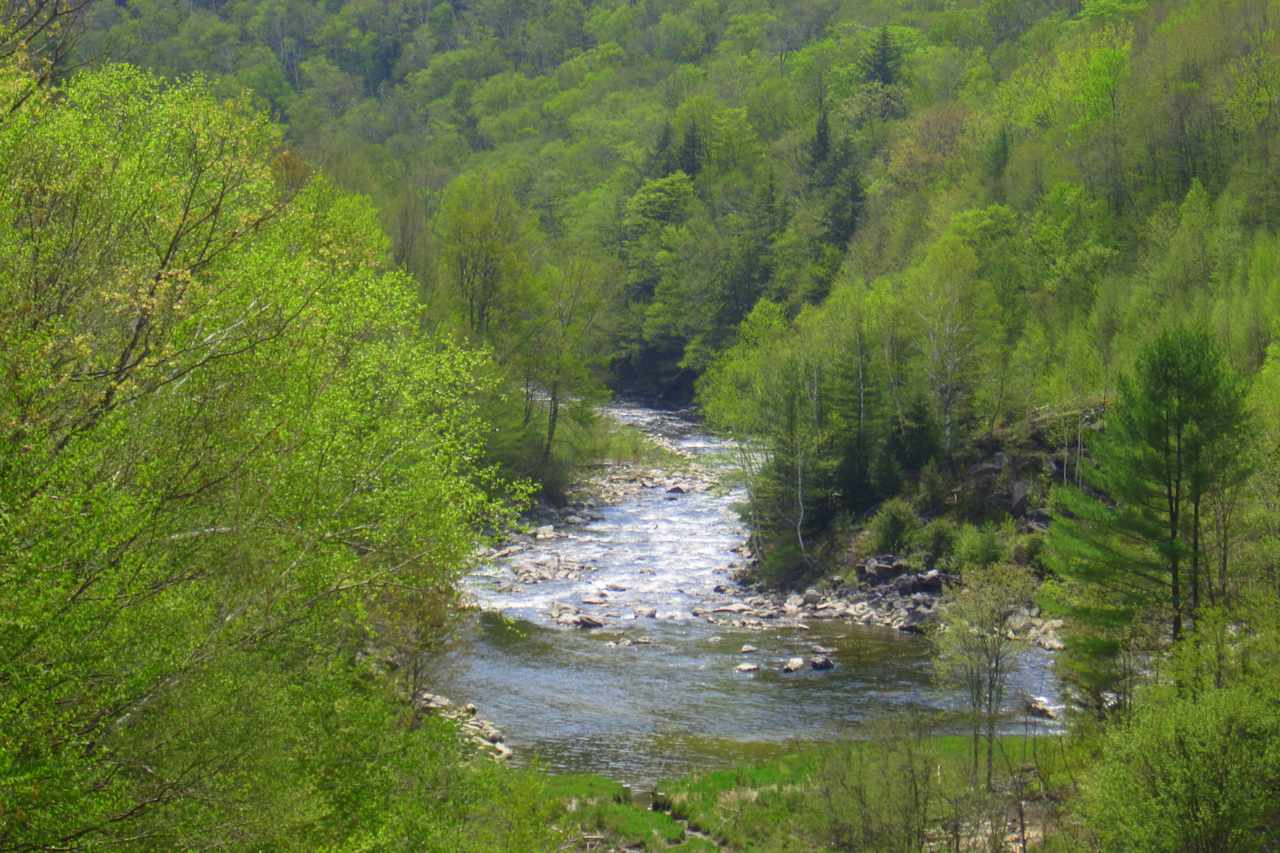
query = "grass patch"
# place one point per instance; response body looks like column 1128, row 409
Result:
column 588, row 804
column 600, row 438
column 815, row 795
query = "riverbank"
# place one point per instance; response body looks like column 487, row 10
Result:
column 614, row 636
column 789, row 801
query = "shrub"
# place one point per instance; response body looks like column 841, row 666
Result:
column 977, row 546
column 893, row 525
column 935, row 541
column 1193, row 773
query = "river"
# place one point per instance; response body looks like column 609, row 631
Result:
column 647, row 698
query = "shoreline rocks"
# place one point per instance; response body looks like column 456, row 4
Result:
column 479, row 732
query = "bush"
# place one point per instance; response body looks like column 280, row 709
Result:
column 977, row 546
column 893, row 525
column 931, row 491
column 935, row 541
column 1193, row 773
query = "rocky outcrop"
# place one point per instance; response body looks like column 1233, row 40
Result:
column 478, row 731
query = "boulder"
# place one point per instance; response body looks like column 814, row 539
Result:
column 881, row 568
column 793, row 665
column 746, row 649
column 748, row 667
column 1018, row 496
column 735, row 607
column 545, row 532
column 1039, row 708
column 675, row 490
column 430, row 702
column 811, row 596
column 586, row 620
column 647, row 612
column 930, row 582
column 820, row 662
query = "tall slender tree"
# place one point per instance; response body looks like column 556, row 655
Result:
column 1129, row 541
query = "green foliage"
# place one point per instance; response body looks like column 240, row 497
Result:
column 976, row 649
column 893, row 526
column 1140, row 548
column 232, row 465
column 936, row 541
column 1195, row 772
column 978, row 547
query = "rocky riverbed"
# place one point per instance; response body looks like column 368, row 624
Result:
column 618, row 635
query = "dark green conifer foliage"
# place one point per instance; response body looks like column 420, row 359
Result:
column 662, row 161
column 1128, row 543
column 691, row 151
column 821, row 148
column 884, row 62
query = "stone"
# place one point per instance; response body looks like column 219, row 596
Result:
column 811, row 596
column 545, row 532
column 820, row 662
column 746, row 649
column 594, row 601
column 1018, row 496
column 793, row 665
column 425, row 701
column 675, row 490
column 748, row 667
column 647, row 612
column 735, row 607
column 1039, row 708
column 822, row 650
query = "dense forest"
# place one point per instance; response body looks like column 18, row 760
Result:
column 303, row 303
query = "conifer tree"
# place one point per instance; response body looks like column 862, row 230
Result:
column 884, row 61
column 1127, row 543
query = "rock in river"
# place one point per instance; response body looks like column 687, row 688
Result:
column 748, row 667
column 820, row 662
column 747, row 649
column 793, row 665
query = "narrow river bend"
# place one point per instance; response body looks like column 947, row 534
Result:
column 643, row 697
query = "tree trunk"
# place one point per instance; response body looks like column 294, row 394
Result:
column 553, row 415
column 1195, row 554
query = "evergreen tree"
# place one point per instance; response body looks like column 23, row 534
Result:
column 662, row 161
column 1128, row 543
column 691, row 151
column 884, row 61
column 820, row 149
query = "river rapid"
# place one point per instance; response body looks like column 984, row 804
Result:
column 656, row 691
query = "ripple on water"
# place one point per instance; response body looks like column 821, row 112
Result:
column 574, row 702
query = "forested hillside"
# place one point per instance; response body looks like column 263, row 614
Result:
column 301, row 303
column 1002, row 200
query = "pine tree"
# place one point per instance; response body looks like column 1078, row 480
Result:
column 1130, row 541
column 691, row 151
column 884, row 62
column 662, row 161
column 821, row 146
